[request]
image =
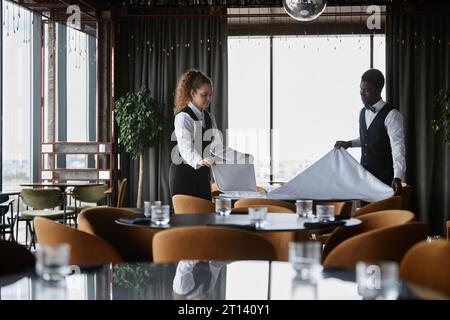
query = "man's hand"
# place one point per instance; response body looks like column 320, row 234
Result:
column 343, row 144
column 397, row 186
column 208, row 162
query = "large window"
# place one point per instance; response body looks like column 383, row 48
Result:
column 315, row 87
column 249, row 100
column 49, row 96
column 17, row 96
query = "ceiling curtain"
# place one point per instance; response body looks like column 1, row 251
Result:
column 155, row 52
column 417, row 67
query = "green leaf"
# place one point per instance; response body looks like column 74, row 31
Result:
column 140, row 119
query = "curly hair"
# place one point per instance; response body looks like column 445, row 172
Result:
column 190, row 80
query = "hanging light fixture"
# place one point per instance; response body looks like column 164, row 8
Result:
column 304, row 10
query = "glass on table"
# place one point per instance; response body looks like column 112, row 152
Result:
column 304, row 208
column 52, row 262
column 378, row 280
column 160, row 214
column 305, row 258
column 147, row 208
column 258, row 216
column 325, row 213
column 223, row 206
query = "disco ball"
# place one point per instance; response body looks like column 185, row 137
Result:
column 304, row 10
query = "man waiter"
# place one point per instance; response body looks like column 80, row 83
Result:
column 381, row 134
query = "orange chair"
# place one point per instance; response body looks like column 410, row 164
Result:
column 132, row 243
column 261, row 189
column 210, row 243
column 381, row 244
column 279, row 240
column 14, row 258
column 264, row 202
column 369, row 222
column 121, row 194
column 393, row 203
column 428, row 263
column 85, row 249
column 214, row 190
column 188, row 204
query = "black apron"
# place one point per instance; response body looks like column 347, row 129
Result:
column 183, row 179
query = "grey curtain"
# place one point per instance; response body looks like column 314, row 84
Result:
column 155, row 52
column 417, row 66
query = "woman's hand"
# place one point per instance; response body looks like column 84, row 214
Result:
column 208, row 162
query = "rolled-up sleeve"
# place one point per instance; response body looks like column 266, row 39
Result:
column 394, row 127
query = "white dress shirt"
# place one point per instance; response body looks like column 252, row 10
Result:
column 186, row 129
column 394, row 126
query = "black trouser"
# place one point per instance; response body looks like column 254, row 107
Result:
column 183, row 179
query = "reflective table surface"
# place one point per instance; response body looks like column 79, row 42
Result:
column 275, row 221
column 241, row 280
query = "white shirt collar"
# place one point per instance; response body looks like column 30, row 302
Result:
column 379, row 105
column 197, row 112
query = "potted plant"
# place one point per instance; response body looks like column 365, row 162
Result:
column 140, row 121
column 442, row 104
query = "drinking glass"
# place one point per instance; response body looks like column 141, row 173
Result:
column 325, row 213
column 52, row 262
column 304, row 208
column 160, row 214
column 223, row 206
column 147, row 209
column 258, row 217
column 305, row 258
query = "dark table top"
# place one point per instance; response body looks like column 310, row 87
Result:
column 275, row 221
column 9, row 193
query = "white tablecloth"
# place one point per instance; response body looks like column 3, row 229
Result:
column 337, row 175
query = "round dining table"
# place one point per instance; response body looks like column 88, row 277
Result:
column 275, row 222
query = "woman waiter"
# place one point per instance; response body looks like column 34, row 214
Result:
column 192, row 98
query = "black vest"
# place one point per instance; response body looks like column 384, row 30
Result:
column 376, row 152
column 208, row 125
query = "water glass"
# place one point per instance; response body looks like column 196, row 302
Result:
column 378, row 281
column 258, row 217
column 305, row 258
column 304, row 289
column 52, row 262
column 223, row 206
column 304, row 208
column 147, row 209
column 160, row 214
column 325, row 213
